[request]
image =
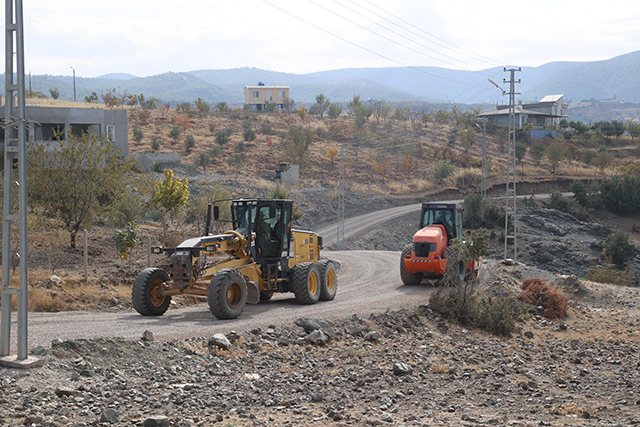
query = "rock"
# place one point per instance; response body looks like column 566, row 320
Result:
column 311, row 324
column 219, row 341
column 38, row 350
column 55, row 342
column 147, row 336
column 65, row 391
column 110, row 416
column 55, row 280
column 402, row 369
column 233, row 336
column 317, row 337
column 372, row 336
column 156, row 421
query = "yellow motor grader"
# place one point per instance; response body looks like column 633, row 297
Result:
column 259, row 256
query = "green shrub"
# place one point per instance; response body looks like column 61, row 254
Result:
column 608, row 273
column 265, row 128
column 249, row 134
column 619, row 247
column 137, row 134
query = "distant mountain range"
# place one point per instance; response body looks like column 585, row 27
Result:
column 616, row 77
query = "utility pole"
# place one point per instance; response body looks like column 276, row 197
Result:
column 74, row 83
column 15, row 171
column 340, row 219
column 511, row 167
column 484, row 159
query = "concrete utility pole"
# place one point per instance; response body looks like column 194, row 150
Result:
column 340, row 219
column 15, row 157
column 74, row 83
column 511, row 167
column 484, row 159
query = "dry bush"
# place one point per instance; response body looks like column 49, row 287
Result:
column 608, row 273
column 569, row 409
column 537, row 292
column 439, row 368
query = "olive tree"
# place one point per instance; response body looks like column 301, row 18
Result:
column 76, row 179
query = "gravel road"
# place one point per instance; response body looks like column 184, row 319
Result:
column 369, row 281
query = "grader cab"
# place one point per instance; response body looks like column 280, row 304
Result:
column 260, row 255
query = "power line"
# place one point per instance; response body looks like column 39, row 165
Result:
column 364, row 48
column 394, row 32
column 491, row 61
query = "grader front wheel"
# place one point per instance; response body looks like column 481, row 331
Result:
column 227, row 294
column 146, row 294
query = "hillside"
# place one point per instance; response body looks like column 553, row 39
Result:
column 576, row 80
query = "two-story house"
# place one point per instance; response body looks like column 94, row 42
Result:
column 258, row 96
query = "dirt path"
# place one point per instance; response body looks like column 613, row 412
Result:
column 369, row 281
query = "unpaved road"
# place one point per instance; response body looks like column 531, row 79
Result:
column 369, row 281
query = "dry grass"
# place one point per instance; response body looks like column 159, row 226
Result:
column 439, row 367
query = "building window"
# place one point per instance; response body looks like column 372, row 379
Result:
column 255, row 94
column 282, row 94
column 110, row 132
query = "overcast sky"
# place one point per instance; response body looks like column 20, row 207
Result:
column 144, row 37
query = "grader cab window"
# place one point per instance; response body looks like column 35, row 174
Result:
column 268, row 237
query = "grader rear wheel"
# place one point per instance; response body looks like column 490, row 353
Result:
column 227, row 294
column 408, row 278
column 146, row 294
column 306, row 283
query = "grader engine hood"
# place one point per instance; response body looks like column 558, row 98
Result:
column 430, row 241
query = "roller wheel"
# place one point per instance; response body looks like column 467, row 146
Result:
column 455, row 271
column 408, row 278
column 328, row 280
column 227, row 294
column 146, row 294
column 306, row 283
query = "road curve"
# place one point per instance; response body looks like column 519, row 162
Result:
column 368, row 282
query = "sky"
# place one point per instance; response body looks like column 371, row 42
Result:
column 144, row 37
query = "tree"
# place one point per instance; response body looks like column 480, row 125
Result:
column 301, row 111
column 91, row 98
column 170, row 194
column 76, row 181
column 203, row 161
column 189, row 142
column 155, row 144
column 249, row 134
column 288, row 105
column 362, row 113
column 556, row 152
column 110, row 98
column 184, row 122
column 321, row 105
column 633, row 128
column 537, row 152
column 381, row 110
column 619, row 248
column 603, row 160
column 296, row 145
column 467, row 139
column 520, row 151
column 334, row 111
column 332, row 153
column 202, row 106
column 174, row 133
column 222, row 107
column 442, row 169
column 55, row 93
column 137, row 134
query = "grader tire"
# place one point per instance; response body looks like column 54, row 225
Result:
column 145, row 294
column 454, row 274
column 328, row 280
column 408, row 278
column 227, row 294
column 306, row 283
